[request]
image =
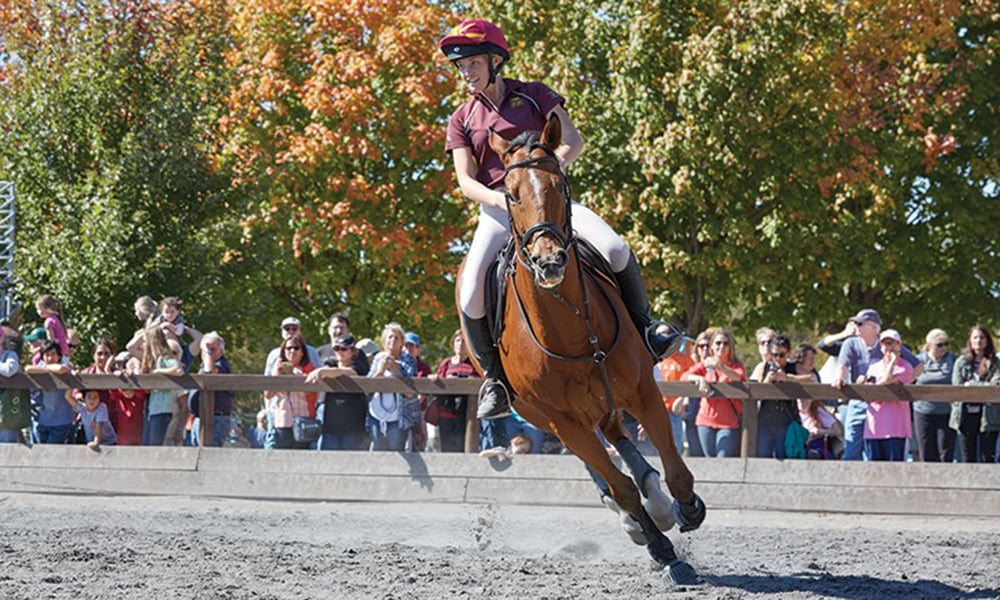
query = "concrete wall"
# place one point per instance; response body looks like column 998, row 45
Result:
column 871, row 488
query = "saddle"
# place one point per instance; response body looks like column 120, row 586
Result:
column 591, row 261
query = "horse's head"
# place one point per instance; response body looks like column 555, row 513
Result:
column 538, row 201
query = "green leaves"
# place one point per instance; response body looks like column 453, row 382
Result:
column 105, row 142
column 770, row 162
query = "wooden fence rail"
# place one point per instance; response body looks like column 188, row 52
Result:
column 245, row 382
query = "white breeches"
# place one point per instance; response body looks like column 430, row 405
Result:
column 492, row 232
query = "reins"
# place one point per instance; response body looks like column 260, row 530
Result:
column 567, row 239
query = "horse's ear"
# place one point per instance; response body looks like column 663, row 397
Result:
column 498, row 144
column 552, row 134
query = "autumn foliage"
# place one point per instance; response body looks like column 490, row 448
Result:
column 769, row 161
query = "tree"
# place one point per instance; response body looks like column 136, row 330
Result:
column 105, row 110
column 781, row 165
column 336, row 134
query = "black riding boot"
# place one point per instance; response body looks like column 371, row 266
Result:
column 494, row 397
column 633, row 290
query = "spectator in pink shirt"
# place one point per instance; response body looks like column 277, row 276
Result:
column 887, row 424
column 48, row 308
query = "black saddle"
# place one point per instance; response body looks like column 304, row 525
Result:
column 591, row 261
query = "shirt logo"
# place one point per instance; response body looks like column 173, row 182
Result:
column 516, row 102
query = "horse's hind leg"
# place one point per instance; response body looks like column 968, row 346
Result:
column 585, row 444
column 629, row 525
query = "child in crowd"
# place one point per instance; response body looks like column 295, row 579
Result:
column 53, row 419
column 94, row 416
column 257, row 435
column 131, row 403
column 161, row 357
column 172, row 322
column 170, row 308
column 36, row 338
column 519, row 444
column 49, row 309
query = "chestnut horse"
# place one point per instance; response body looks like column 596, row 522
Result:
column 573, row 358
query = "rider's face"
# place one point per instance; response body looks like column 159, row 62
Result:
column 475, row 71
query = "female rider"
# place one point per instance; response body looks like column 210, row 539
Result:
column 478, row 49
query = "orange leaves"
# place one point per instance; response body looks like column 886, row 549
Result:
column 890, row 83
column 936, row 146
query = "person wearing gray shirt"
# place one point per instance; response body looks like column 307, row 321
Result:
column 935, row 439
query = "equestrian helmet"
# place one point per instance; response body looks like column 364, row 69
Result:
column 472, row 37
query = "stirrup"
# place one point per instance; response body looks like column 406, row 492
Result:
column 670, row 343
column 493, row 404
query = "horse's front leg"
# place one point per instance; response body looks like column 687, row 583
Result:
column 689, row 509
column 585, row 444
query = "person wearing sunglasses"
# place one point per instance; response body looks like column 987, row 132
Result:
column 342, row 413
column 687, row 407
column 284, row 405
column 718, row 419
column 774, row 416
column 763, row 336
column 72, row 344
column 935, row 439
column 290, row 326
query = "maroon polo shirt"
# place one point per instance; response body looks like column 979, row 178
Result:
column 525, row 107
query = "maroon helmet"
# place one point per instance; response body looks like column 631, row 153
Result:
column 472, row 37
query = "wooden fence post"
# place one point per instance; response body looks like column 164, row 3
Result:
column 206, row 412
column 471, row 425
column 748, row 446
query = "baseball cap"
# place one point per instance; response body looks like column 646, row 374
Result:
column 867, row 314
column 291, row 321
column 344, row 341
column 36, row 334
column 368, row 347
column 411, row 338
column 890, row 334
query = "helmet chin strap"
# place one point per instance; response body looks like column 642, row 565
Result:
column 493, row 70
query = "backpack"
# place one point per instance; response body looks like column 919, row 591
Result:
column 15, row 409
column 795, row 440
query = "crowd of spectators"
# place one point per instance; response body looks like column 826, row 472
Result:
column 849, row 429
column 703, row 425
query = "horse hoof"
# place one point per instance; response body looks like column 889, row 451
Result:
column 658, row 505
column 689, row 516
column 628, row 524
column 679, row 573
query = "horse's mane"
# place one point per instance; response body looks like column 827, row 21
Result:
column 525, row 139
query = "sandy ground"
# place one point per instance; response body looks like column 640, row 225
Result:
column 181, row 547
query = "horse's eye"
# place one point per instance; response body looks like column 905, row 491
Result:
column 512, row 199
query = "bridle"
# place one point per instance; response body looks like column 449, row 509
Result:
column 565, row 235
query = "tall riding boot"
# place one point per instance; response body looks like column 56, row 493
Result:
column 494, row 397
column 633, row 290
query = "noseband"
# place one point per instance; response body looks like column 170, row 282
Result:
column 563, row 234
